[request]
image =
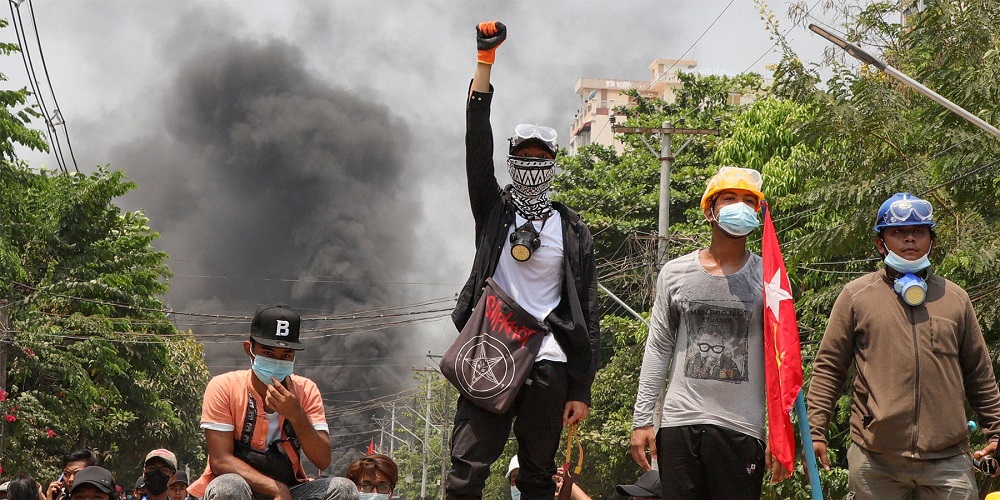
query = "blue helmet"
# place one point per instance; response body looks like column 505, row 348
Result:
column 904, row 209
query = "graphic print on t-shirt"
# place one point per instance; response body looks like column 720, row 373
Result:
column 717, row 343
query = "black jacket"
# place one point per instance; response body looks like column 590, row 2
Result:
column 575, row 326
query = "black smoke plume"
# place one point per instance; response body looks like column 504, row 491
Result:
column 270, row 186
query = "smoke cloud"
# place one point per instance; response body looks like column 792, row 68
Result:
column 279, row 188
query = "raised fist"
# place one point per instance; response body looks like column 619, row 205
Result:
column 489, row 36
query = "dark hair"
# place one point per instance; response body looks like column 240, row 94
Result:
column 80, row 456
column 23, row 487
column 366, row 466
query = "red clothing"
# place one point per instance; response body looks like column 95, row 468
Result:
column 225, row 406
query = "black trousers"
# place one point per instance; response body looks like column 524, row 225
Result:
column 479, row 437
column 708, row 462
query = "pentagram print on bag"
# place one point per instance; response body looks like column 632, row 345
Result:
column 494, row 353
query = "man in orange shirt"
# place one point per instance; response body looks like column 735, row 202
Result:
column 258, row 421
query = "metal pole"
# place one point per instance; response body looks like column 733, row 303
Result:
column 444, row 439
column 807, row 447
column 4, row 341
column 392, row 430
column 664, row 223
column 863, row 56
column 622, row 303
column 427, row 432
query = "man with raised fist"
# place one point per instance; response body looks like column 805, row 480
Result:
column 541, row 254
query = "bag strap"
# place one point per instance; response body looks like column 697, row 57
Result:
column 250, row 421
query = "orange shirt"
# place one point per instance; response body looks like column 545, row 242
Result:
column 224, row 409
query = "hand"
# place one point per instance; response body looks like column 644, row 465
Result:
column 489, row 36
column 558, row 478
column 989, row 449
column 643, row 438
column 773, row 465
column 282, row 400
column 822, row 455
column 54, row 490
column 574, row 412
column 283, row 492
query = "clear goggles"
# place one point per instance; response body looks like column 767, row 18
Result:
column 915, row 210
column 526, row 131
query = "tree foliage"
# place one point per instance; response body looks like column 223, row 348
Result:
column 93, row 361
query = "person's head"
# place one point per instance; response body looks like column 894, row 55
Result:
column 24, row 487
column 904, row 226
column 732, row 199
column 274, row 339
column 513, row 470
column 647, row 487
column 530, row 162
column 158, row 470
column 375, row 475
column 140, row 488
column 711, row 345
column 177, row 489
column 93, row 483
column 74, row 462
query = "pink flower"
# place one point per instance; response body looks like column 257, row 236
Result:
column 11, row 418
column 3, row 395
column 29, row 352
column 50, row 433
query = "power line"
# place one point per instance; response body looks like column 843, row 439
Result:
column 52, row 90
column 30, row 71
column 703, row 33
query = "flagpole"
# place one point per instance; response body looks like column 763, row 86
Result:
column 807, row 447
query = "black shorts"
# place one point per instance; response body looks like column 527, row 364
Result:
column 707, row 462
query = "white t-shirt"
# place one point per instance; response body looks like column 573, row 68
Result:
column 536, row 284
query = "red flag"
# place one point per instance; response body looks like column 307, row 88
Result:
column 782, row 354
column 371, row 447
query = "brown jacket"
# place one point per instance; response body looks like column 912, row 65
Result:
column 915, row 367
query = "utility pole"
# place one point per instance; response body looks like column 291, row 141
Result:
column 444, row 439
column 666, row 158
column 392, row 430
column 427, row 431
column 4, row 342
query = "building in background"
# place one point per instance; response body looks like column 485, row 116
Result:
column 599, row 96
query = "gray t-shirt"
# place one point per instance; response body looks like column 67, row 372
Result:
column 708, row 331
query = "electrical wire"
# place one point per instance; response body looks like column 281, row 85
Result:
column 52, row 90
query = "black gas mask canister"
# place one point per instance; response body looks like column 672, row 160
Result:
column 524, row 240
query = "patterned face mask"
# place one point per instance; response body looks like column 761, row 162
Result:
column 531, row 178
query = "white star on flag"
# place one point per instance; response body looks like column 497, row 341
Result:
column 774, row 294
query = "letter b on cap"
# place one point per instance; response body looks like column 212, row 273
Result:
column 281, row 329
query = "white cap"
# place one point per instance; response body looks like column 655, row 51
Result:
column 513, row 465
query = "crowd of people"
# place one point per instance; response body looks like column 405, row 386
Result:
column 906, row 340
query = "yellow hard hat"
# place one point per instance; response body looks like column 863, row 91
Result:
column 993, row 496
column 746, row 179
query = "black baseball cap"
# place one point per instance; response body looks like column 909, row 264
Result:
column 276, row 326
column 648, row 485
column 96, row 476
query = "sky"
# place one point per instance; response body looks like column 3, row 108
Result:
column 311, row 152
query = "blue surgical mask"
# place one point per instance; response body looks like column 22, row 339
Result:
column 373, row 496
column 265, row 368
column 907, row 266
column 515, row 494
column 737, row 219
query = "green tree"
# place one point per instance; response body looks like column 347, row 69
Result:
column 93, row 360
